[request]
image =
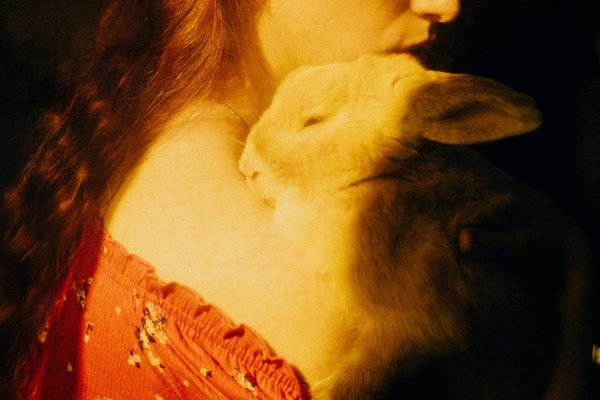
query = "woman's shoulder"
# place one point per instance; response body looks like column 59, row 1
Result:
column 185, row 200
column 116, row 330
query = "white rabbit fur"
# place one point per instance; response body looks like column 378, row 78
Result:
column 362, row 164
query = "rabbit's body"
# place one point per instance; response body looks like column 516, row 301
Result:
column 378, row 201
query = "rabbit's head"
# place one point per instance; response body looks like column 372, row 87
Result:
column 329, row 126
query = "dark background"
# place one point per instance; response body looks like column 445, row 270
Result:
column 547, row 48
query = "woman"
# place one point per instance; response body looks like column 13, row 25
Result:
column 149, row 143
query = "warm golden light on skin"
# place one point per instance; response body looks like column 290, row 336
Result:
column 290, row 164
column 204, row 228
column 293, row 33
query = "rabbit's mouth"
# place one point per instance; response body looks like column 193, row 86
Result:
column 392, row 175
column 258, row 186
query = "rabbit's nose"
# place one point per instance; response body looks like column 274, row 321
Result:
column 247, row 168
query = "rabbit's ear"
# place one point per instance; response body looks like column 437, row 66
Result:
column 465, row 109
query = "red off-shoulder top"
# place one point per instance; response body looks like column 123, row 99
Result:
column 117, row 332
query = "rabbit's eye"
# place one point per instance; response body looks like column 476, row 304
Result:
column 312, row 121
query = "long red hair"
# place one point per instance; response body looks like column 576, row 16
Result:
column 151, row 57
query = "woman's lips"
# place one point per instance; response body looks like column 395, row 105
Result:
column 418, row 50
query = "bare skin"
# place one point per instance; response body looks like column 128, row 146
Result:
column 202, row 227
column 187, row 210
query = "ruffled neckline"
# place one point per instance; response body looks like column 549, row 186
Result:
column 234, row 346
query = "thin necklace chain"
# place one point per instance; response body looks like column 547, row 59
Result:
column 238, row 116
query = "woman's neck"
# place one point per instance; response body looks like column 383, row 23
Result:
column 192, row 165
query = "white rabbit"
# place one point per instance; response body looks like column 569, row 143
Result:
column 361, row 164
